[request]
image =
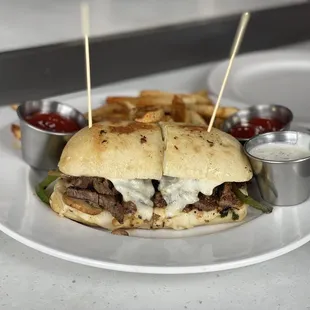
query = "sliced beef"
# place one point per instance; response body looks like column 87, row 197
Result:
column 227, row 198
column 84, row 194
column 80, row 182
column 107, row 201
column 101, row 193
column 223, row 199
column 129, row 207
column 205, row 203
column 117, row 211
column 104, row 186
column 101, row 185
column 159, row 201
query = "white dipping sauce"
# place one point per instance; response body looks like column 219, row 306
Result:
column 279, row 151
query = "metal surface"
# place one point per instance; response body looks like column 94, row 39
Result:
column 41, row 149
column 278, row 112
column 281, row 183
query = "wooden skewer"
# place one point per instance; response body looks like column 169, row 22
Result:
column 237, row 42
column 85, row 29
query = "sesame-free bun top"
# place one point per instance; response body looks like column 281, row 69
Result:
column 132, row 150
column 123, row 150
column 192, row 152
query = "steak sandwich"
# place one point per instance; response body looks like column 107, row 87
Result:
column 151, row 176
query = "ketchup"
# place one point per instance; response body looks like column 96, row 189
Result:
column 52, row 122
column 254, row 127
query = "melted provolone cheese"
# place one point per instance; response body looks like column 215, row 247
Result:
column 180, row 192
column 139, row 192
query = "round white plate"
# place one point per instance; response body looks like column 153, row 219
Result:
column 203, row 249
column 276, row 77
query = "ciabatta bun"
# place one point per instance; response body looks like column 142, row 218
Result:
column 191, row 152
column 124, row 150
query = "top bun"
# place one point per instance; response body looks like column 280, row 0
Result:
column 194, row 153
column 123, row 150
column 132, row 150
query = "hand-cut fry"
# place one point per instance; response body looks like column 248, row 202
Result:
column 195, row 100
column 157, row 93
column 14, row 106
column 152, row 100
column 207, row 110
column 142, row 101
column 195, row 118
column 115, row 117
column 178, row 110
column 126, row 108
column 167, row 118
column 202, row 93
column 218, row 122
column 16, row 131
column 152, row 106
column 200, row 97
column 152, row 116
column 113, row 112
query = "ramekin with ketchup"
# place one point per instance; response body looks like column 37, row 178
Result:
column 258, row 119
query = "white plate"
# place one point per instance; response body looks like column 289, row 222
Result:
column 278, row 77
column 203, row 249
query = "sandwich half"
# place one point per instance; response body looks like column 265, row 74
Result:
column 151, row 176
column 107, row 175
column 199, row 169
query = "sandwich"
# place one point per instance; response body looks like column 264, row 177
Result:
column 151, row 176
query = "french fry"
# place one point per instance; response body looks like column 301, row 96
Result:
column 202, row 93
column 112, row 100
column 160, row 101
column 200, row 97
column 195, row 100
column 14, row 106
column 207, row 110
column 167, row 118
column 178, row 110
column 152, row 116
column 127, row 108
column 109, row 112
column 152, row 100
column 195, row 118
column 152, row 106
column 157, row 93
column 218, row 122
column 16, row 131
column 115, row 117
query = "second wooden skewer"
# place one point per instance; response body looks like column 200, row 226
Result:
column 237, row 42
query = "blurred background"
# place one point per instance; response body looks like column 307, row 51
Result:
column 39, row 22
column 41, row 51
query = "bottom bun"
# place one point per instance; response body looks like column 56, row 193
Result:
column 185, row 220
column 104, row 219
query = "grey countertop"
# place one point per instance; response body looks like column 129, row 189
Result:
column 30, row 280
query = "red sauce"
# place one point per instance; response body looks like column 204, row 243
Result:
column 52, row 122
column 254, row 127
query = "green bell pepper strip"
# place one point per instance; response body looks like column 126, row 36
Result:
column 250, row 201
column 42, row 186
